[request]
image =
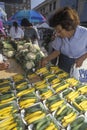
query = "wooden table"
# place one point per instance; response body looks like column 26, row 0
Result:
column 14, row 69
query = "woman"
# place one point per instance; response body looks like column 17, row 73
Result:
column 70, row 45
column 16, row 32
column 30, row 33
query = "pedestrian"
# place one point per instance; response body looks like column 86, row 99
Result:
column 70, row 45
column 30, row 33
column 16, row 32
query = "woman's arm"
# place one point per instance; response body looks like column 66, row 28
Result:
column 80, row 60
column 50, row 57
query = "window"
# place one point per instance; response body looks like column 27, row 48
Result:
column 12, row 1
column 24, row 1
column 50, row 7
column 43, row 10
column 54, row 5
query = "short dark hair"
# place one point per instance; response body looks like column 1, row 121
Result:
column 15, row 24
column 66, row 17
column 25, row 22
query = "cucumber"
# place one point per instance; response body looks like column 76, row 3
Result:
column 52, row 78
column 54, row 101
column 69, row 111
column 77, row 127
column 59, row 118
column 28, row 95
column 6, row 96
column 77, row 121
column 67, row 92
column 33, row 109
column 64, row 112
column 44, row 90
column 4, row 84
column 43, row 126
column 78, row 100
column 41, row 123
column 53, row 98
column 22, row 88
column 76, row 107
column 83, row 127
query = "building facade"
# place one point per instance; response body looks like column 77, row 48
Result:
column 48, row 7
column 82, row 9
column 12, row 6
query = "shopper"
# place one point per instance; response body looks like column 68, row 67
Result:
column 30, row 33
column 70, row 45
column 16, row 32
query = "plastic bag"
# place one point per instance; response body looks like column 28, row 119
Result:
column 80, row 73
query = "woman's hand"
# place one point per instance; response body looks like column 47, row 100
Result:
column 79, row 61
column 50, row 57
column 43, row 62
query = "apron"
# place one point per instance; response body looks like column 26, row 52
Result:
column 65, row 63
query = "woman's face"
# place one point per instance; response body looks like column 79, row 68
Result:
column 62, row 33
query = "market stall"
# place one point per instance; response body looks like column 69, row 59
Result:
column 40, row 98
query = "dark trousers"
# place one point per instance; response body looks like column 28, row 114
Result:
column 65, row 63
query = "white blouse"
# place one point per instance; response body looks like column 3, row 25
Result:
column 16, row 34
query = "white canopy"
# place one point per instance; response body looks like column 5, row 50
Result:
column 44, row 25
